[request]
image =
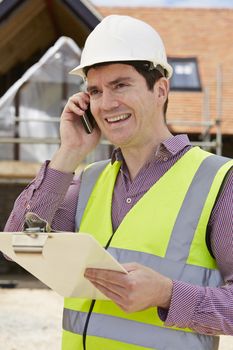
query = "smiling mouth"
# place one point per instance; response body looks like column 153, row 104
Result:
column 118, row 118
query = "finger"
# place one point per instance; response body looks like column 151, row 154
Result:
column 119, row 299
column 111, row 294
column 81, row 99
column 75, row 109
column 131, row 266
column 114, row 277
column 115, row 288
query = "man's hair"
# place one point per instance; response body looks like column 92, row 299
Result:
column 151, row 76
column 144, row 68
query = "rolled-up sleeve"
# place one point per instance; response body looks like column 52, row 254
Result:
column 52, row 195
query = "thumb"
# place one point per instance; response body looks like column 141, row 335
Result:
column 131, row 266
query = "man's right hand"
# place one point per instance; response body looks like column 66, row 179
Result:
column 75, row 142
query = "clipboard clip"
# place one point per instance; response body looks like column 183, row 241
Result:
column 32, row 240
column 35, row 234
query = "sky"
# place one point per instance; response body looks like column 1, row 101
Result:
column 167, row 3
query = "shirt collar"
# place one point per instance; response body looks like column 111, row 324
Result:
column 170, row 147
column 175, row 144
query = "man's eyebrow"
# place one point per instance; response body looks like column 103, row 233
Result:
column 110, row 83
column 119, row 80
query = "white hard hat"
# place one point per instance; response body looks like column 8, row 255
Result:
column 123, row 38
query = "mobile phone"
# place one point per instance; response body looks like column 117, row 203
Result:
column 88, row 121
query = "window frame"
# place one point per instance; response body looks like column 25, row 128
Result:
column 183, row 60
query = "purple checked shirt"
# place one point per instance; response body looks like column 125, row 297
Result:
column 53, row 195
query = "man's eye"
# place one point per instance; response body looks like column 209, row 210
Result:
column 120, row 86
column 93, row 92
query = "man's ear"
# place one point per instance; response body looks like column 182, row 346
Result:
column 162, row 89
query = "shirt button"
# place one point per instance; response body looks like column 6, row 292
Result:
column 28, row 207
column 165, row 159
column 128, row 200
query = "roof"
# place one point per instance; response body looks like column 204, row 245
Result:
column 37, row 99
column 202, row 33
column 58, row 61
column 28, row 28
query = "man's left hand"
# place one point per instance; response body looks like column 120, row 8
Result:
column 137, row 290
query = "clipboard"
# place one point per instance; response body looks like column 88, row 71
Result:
column 59, row 259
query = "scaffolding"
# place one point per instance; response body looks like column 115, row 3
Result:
column 206, row 125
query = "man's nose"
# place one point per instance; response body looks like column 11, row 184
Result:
column 109, row 100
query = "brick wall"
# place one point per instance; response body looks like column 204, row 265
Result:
column 202, row 33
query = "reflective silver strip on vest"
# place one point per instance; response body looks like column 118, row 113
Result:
column 138, row 333
column 176, row 270
column 88, row 180
column 191, row 209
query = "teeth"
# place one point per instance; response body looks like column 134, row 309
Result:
column 117, row 118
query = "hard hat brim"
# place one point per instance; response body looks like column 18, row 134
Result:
column 79, row 70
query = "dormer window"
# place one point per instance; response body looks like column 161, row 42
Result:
column 185, row 74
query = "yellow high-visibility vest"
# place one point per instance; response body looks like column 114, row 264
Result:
column 166, row 231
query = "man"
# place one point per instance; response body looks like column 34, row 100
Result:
column 161, row 207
